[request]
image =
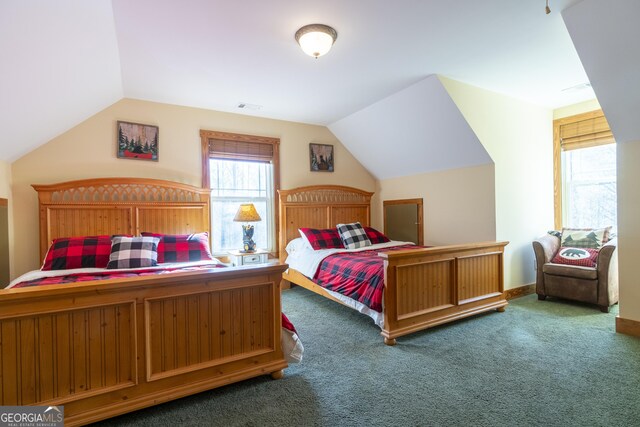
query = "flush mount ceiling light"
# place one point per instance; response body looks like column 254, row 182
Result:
column 316, row 39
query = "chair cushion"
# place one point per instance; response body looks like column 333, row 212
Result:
column 588, row 273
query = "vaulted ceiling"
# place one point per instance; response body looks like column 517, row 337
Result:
column 65, row 60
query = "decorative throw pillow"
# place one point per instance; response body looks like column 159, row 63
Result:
column 555, row 233
column 353, row 235
column 375, row 236
column 78, row 252
column 325, row 238
column 182, row 247
column 584, row 257
column 133, row 252
column 593, row 238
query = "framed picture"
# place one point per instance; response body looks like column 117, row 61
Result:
column 137, row 141
column 321, row 157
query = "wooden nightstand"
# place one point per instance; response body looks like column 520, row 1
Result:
column 249, row 258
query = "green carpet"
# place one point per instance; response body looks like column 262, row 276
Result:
column 540, row 363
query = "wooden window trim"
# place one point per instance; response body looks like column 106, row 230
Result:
column 207, row 135
column 591, row 139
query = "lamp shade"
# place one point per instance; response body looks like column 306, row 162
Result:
column 247, row 213
column 316, row 39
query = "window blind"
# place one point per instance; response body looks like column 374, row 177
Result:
column 241, row 150
column 587, row 132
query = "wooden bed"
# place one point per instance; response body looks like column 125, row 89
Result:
column 423, row 287
column 109, row 347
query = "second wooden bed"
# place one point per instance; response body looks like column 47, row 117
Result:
column 423, row 287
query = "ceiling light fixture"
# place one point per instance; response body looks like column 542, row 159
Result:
column 316, row 39
column 546, row 9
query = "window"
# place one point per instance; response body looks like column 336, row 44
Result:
column 585, row 172
column 240, row 169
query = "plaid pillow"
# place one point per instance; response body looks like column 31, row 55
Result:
column 584, row 257
column 584, row 237
column 353, row 235
column 182, row 247
column 375, row 236
column 78, row 252
column 133, row 252
column 326, row 238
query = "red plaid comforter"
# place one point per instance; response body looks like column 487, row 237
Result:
column 357, row 275
column 85, row 277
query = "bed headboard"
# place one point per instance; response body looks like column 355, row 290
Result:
column 120, row 206
column 320, row 206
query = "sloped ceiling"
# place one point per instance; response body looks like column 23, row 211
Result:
column 606, row 36
column 416, row 130
column 65, row 60
column 60, row 65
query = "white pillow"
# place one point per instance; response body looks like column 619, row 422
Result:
column 297, row 245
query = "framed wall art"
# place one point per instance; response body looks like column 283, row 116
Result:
column 321, row 157
column 137, row 141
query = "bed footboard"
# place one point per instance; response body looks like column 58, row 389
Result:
column 119, row 345
column 428, row 287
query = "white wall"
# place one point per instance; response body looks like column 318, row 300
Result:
column 629, row 228
column 519, row 138
column 416, row 130
column 575, row 109
column 89, row 151
column 458, row 203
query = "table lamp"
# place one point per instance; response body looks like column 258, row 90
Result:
column 247, row 213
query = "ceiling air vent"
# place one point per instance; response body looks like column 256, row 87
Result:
column 247, row 106
column 576, row 88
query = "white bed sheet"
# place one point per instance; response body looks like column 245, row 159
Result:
column 39, row 274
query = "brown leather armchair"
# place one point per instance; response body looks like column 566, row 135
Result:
column 597, row 285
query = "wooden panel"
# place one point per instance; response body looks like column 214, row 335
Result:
column 347, row 214
column 64, row 221
column 56, row 356
column 173, row 220
column 627, row 326
column 226, row 324
column 115, row 205
column 311, row 216
column 479, row 276
column 424, row 287
column 520, row 291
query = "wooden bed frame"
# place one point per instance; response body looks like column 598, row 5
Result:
column 423, row 287
column 109, row 347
